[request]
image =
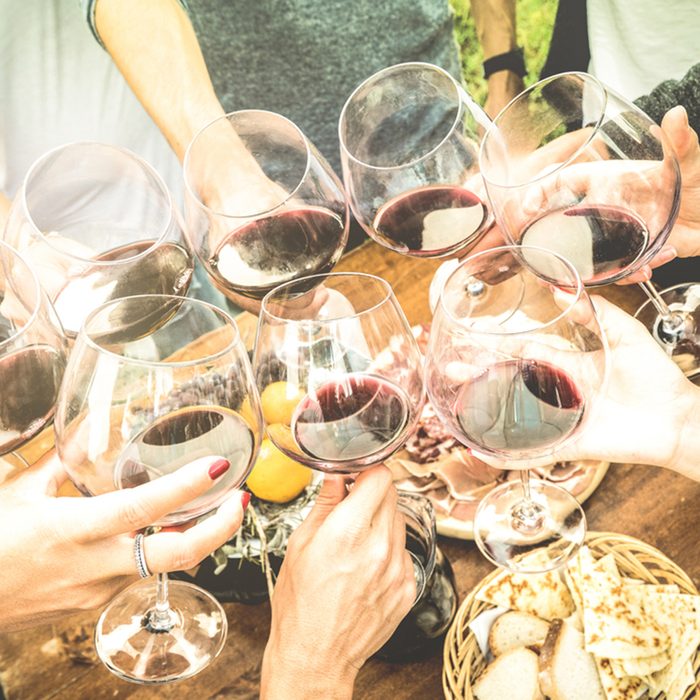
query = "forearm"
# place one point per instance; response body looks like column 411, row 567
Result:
column 154, row 46
column 496, row 30
column 686, row 457
column 675, row 92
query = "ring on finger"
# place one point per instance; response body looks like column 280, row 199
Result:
column 140, row 557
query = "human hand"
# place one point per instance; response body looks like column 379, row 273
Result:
column 641, row 416
column 69, row 554
column 345, row 584
column 684, row 240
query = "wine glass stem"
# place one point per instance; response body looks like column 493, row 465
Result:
column 160, row 618
column 672, row 322
column 527, row 516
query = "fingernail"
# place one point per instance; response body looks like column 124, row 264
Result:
column 218, row 468
column 245, row 500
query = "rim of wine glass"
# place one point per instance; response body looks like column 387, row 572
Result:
column 229, row 320
column 493, row 129
column 389, row 294
column 516, row 252
column 38, row 293
column 106, row 146
column 195, row 197
column 412, row 64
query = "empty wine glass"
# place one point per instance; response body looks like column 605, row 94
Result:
column 140, row 400
column 262, row 205
column 409, row 152
column 96, row 222
column 32, row 353
column 572, row 166
column 336, row 354
column 515, row 363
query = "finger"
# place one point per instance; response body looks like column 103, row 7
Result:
column 677, row 129
column 360, row 506
column 178, row 551
column 643, row 274
column 135, row 508
column 45, row 476
column 332, row 492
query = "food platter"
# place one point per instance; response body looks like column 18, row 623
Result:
column 636, row 561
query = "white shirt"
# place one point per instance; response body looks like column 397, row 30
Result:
column 637, row 44
column 58, row 85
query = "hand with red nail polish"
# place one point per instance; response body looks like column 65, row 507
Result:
column 69, row 554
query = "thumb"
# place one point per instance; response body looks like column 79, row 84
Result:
column 682, row 137
column 332, row 492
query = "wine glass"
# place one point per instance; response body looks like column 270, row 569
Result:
column 142, row 398
column 32, row 353
column 262, row 205
column 96, row 223
column 572, row 166
column 335, row 356
column 409, row 152
column 515, row 363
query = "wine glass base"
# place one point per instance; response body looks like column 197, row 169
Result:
column 556, row 522
column 684, row 348
column 132, row 650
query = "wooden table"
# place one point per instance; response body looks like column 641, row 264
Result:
column 657, row 506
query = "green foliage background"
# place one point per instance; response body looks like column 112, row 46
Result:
column 534, row 18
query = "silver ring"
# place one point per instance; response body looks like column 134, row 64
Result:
column 140, row 557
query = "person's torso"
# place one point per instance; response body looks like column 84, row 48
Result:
column 636, row 44
column 57, row 85
column 303, row 58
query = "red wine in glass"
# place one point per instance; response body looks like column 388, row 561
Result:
column 599, row 241
column 519, row 405
column 30, row 378
column 167, row 269
column 358, row 418
column 430, row 221
column 266, row 252
column 183, row 436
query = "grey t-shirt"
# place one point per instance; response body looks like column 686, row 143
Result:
column 303, row 58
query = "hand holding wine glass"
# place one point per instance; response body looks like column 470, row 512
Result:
column 262, row 205
column 345, row 584
column 157, row 385
column 515, row 363
column 82, row 549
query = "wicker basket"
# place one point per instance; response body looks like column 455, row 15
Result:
column 462, row 657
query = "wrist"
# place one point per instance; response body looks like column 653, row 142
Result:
column 511, row 61
column 296, row 674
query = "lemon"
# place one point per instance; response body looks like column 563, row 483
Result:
column 276, row 477
column 279, row 400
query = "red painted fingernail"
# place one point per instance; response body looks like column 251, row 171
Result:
column 245, row 500
column 218, row 468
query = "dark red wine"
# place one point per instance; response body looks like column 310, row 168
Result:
column 183, row 436
column 599, row 241
column 166, row 269
column 519, row 405
column 358, row 418
column 264, row 253
column 30, row 378
column 431, row 220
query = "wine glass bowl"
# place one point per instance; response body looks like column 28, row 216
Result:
column 97, row 223
column 571, row 166
column 409, row 153
column 262, row 205
column 33, row 352
column 142, row 398
column 342, row 358
column 514, row 366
